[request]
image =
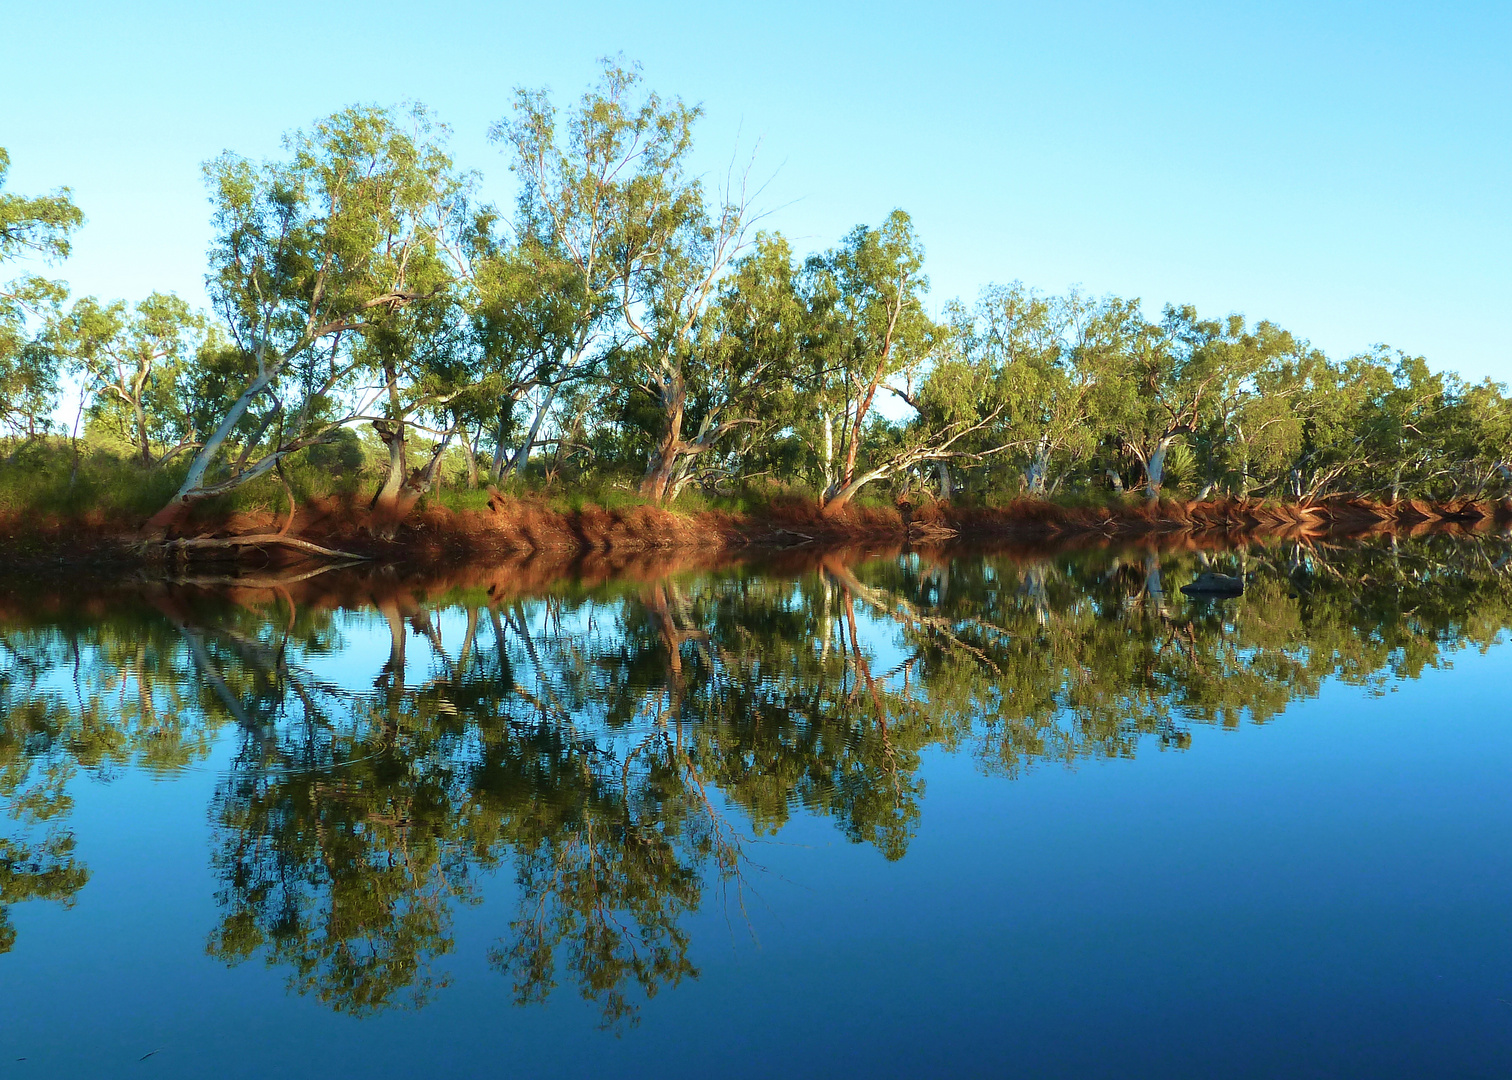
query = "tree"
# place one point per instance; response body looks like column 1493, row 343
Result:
column 1257, row 423
column 1403, row 425
column 311, row 255
column 581, row 187
column 1479, row 436
column 526, row 305
column 133, row 364
column 734, row 366
column 1163, row 380
column 869, row 330
column 36, row 227
column 870, row 291
column 419, row 351
column 668, row 268
column 1036, row 349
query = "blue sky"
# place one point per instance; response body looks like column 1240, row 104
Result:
column 1342, row 169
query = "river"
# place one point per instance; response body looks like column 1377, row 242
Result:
column 880, row 812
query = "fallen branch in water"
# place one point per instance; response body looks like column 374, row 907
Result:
column 250, row 581
column 201, row 543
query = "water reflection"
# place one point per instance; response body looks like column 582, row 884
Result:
column 616, row 746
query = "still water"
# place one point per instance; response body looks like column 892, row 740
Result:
column 884, row 813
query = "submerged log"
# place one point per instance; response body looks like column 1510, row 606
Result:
column 1215, row 585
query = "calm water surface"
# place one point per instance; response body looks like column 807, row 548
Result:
column 883, row 813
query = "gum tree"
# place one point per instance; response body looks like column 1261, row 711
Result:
column 702, row 383
column 31, row 227
column 871, row 332
column 582, row 183
column 311, row 255
column 132, row 362
column 870, row 290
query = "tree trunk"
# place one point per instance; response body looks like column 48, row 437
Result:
column 192, row 489
column 141, row 426
column 681, row 478
column 394, row 501
column 837, row 500
column 829, row 451
column 470, row 452
column 660, row 471
column 430, row 478
column 660, row 465
column 942, row 471
column 1155, row 468
column 852, row 445
column 522, row 456
column 386, row 502
column 496, row 469
column 1244, row 464
column 1034, row 476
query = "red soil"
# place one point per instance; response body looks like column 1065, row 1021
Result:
column 516, row 530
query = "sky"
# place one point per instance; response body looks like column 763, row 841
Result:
column 1343, row 170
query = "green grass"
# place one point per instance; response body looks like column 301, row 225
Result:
column 44, row 481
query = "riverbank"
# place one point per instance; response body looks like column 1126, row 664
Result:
column 509, row 528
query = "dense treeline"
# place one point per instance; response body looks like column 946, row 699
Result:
column 612, row 746
column 627, row 321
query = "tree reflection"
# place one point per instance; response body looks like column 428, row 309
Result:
column 611, row 748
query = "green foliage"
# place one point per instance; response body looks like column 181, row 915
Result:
column 136, row 368
column 621, row 323
column 36, row 227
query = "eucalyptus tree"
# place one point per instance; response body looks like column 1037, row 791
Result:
column 34, row 227
column 671, row 252
column 733, row 371
column 133, row 364
column 755, row 364
column 588, row 191
column 869, row 331
column 1030, row 345
column 311, row 255
column 1256, row 426
column 1163, row 381
column 1404, row 423
column 420, row 352
column 1479, row 432
column 524, row 305
column 870, row 291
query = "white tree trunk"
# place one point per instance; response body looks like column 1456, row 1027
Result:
column 1155, row 467
column 829, row 452
column 522, row 456
column 942, row 471
column 1034, row 475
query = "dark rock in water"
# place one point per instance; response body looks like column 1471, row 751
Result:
column 1215, row 585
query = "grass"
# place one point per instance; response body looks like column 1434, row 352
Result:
column 109, row 482
column 43, row 482
column 46, row 480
